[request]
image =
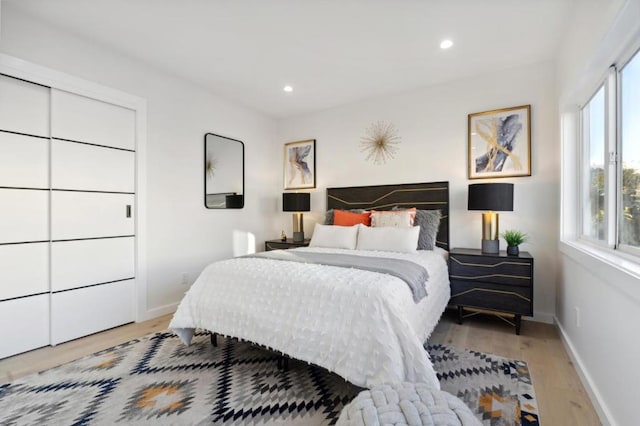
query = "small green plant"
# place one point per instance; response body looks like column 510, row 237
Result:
column 514, row 238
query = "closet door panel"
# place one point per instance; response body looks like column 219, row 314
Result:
column 24, row 270
column 88, row 120
column 24, row 161
column 25, row 324
column 77, row 313
column 24, row 107
column 91, row 168
column 24, row 215
column 87, row 262
column 90, row 215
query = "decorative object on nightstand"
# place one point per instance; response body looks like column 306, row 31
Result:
column 283, row 236
column 284, row 244
column 497, row 284
column 297, row 202
column 490, row 197
column 514, row 239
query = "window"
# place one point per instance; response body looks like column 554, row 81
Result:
column 593, row 223
column 630, row 152
column 610, row 172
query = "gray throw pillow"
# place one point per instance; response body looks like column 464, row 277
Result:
column 328, row 217
column 429, row 222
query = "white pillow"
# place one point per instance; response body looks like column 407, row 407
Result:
column 404, row 240
column 333, row 236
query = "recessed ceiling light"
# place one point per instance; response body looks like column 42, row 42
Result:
column 288, row 89
column 445, row 44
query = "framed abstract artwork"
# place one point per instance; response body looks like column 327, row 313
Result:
column 300, row 164
column 500, row 143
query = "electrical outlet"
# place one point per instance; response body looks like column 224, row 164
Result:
column 577, row 312
column 185, row 279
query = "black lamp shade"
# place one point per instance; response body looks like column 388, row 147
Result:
column 491, row 196
column 235, row 201
column 296, row 202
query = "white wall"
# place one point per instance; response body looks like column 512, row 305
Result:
column 604, row 339
column 432, row 123
column 591, row 21
column 183, row 236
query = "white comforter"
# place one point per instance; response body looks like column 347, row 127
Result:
column 362, row 325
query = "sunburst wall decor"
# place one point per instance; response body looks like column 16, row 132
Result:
column 380, row 142
column 210, row 165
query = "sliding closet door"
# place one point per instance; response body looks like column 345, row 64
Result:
column 24, row 216
column 92, row 216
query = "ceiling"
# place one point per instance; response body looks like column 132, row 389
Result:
column 331, row 52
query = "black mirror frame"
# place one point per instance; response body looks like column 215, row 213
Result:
column 239, row 206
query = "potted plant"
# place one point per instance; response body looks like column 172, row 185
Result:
column 514, row 239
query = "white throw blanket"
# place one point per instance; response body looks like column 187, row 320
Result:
column 352, row 322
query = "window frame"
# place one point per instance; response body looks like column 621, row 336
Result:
column 611, row 82
column 626, row 59
column 584, row 170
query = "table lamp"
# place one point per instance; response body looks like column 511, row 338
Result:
column 491, row 197
column 297, row 202
column 234, row 201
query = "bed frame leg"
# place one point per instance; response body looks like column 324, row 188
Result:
column 214, row 339
column 283, row 363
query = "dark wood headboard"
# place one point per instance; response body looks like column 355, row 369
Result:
column 424, row 196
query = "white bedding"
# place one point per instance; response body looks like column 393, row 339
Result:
column 362, row 325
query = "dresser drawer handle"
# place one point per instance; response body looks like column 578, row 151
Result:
column 480, row 277
column 492, row 265
column 471, row 290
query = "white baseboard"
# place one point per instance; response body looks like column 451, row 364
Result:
column 159, row 311
column 598, row 403
column 542, row 317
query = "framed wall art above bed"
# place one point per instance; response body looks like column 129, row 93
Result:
column 500, row 143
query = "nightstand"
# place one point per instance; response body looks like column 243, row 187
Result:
column 284, row 245
column 491, row 283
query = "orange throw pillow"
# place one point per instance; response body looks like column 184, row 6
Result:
column 345, row 218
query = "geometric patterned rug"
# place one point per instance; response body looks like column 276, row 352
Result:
column 498, row 390
column 156, row 380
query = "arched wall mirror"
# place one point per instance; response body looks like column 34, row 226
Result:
column 223, row 172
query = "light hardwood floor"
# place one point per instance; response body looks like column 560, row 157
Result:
column 42, row 359
column 562, row 400
column 561, row 397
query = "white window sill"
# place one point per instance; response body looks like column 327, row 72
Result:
column 616, row 269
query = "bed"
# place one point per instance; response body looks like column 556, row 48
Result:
column 363, row 325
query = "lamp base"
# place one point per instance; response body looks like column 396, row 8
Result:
column 298, row 228
column 491, row 246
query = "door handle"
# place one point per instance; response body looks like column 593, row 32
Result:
column 128, row 210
